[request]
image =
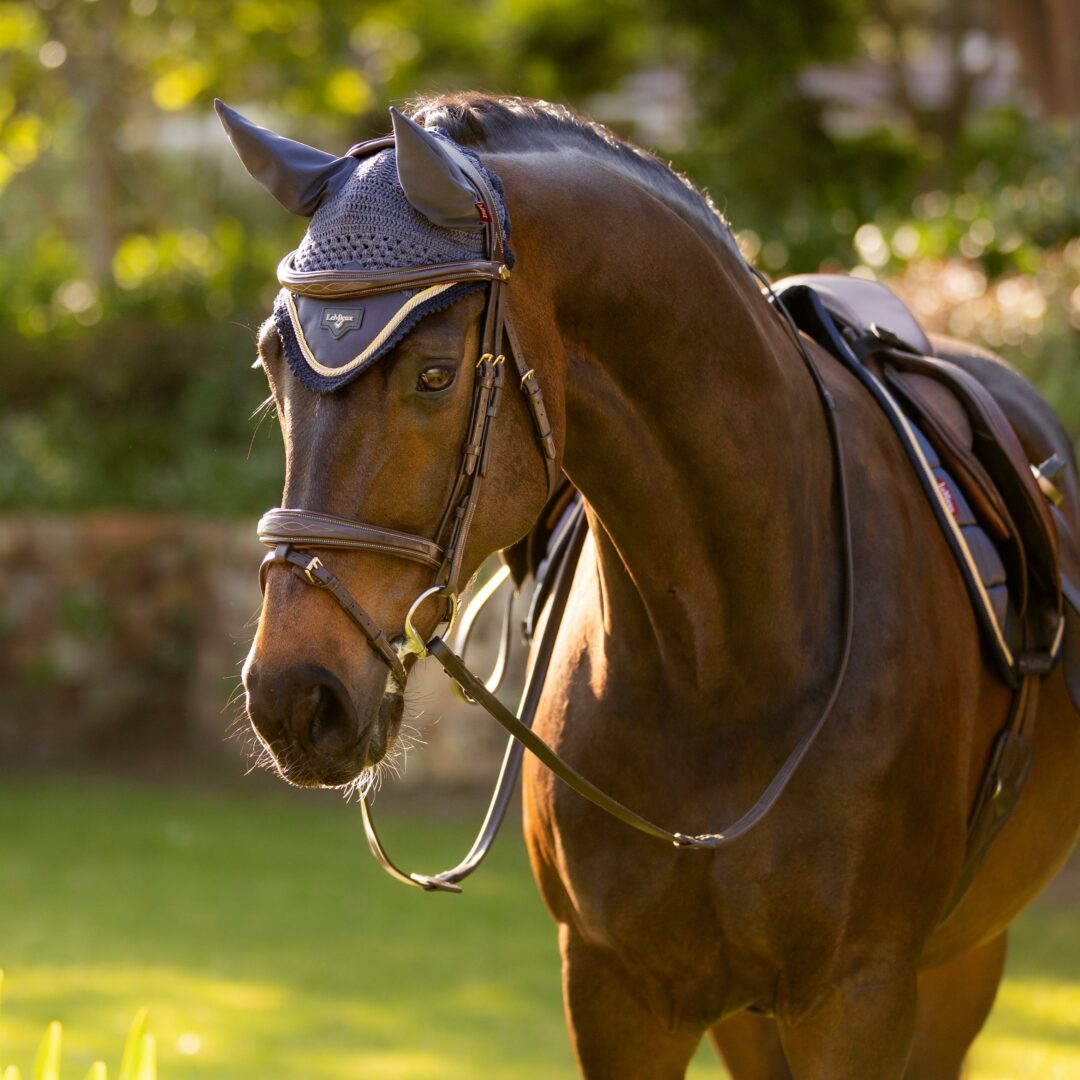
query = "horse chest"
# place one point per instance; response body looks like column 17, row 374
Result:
column 687, row 925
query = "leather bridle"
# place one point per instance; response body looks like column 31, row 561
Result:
column 293, row 534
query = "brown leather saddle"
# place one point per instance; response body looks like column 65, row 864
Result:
column 1017, row 554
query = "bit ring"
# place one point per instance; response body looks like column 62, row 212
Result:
column 414, row 643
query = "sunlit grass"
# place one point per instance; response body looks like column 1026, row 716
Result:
column 267, row 945
column 138, row 1060
column 1034, row 1030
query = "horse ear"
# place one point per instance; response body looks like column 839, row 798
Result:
column 431, row 179
column 300, row 177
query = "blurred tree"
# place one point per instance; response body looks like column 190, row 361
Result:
column 1047, row 36
column 137, row 257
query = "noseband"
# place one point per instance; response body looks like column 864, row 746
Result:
column 294, row 534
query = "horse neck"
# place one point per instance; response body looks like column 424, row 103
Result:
column 697, row 437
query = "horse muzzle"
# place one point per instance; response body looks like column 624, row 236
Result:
column 309, row 722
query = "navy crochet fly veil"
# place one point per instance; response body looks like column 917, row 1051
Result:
column 370, row 225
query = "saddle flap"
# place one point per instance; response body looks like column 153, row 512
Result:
column 946, row 425
column 1001, row 455
column 860, row 304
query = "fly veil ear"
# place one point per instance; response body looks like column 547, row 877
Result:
column 300, row 177
column 349, row 295
column 433, row 179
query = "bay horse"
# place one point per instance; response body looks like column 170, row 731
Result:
column 700, row 636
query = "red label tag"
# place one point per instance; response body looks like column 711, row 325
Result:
column 947, row 495
column 482, row 210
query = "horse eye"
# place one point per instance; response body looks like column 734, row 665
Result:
column 435, row 378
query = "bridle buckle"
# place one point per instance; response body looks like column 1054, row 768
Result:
column 315, row 564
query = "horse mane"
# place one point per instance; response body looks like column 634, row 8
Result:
column 483, row 120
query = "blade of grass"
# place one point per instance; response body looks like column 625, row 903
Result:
column 147, row 1069
column 47, row 1062
column 11, row 1073
column 133, row 1047
column 98, row 1071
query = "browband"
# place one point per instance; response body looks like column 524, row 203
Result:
column 346, row 284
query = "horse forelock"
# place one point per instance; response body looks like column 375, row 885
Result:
column 505, row 123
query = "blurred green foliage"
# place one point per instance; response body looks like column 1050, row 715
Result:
column 137, row 258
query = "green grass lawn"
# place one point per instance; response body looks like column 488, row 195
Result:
column 267, row 945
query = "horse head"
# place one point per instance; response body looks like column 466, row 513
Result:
column 387, row 358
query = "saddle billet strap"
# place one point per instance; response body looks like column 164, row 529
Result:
column 562, row 566
column 317, row 530
column 315, row 573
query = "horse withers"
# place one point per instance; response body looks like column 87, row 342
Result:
column 705, row 625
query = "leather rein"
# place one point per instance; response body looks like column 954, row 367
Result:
column 293, row 534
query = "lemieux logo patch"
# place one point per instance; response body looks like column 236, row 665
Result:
column 339, row 321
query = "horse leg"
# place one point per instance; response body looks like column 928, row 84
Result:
column 954, row 1002
column 859, row 1028
column 614, row 1033
column 750, row 1047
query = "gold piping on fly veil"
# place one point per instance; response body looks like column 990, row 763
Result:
column 376, row 344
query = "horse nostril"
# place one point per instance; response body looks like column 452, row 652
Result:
column 332, row 726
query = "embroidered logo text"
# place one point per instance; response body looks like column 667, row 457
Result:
column 339, row 321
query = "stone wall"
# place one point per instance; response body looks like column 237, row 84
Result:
column 121, row 639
